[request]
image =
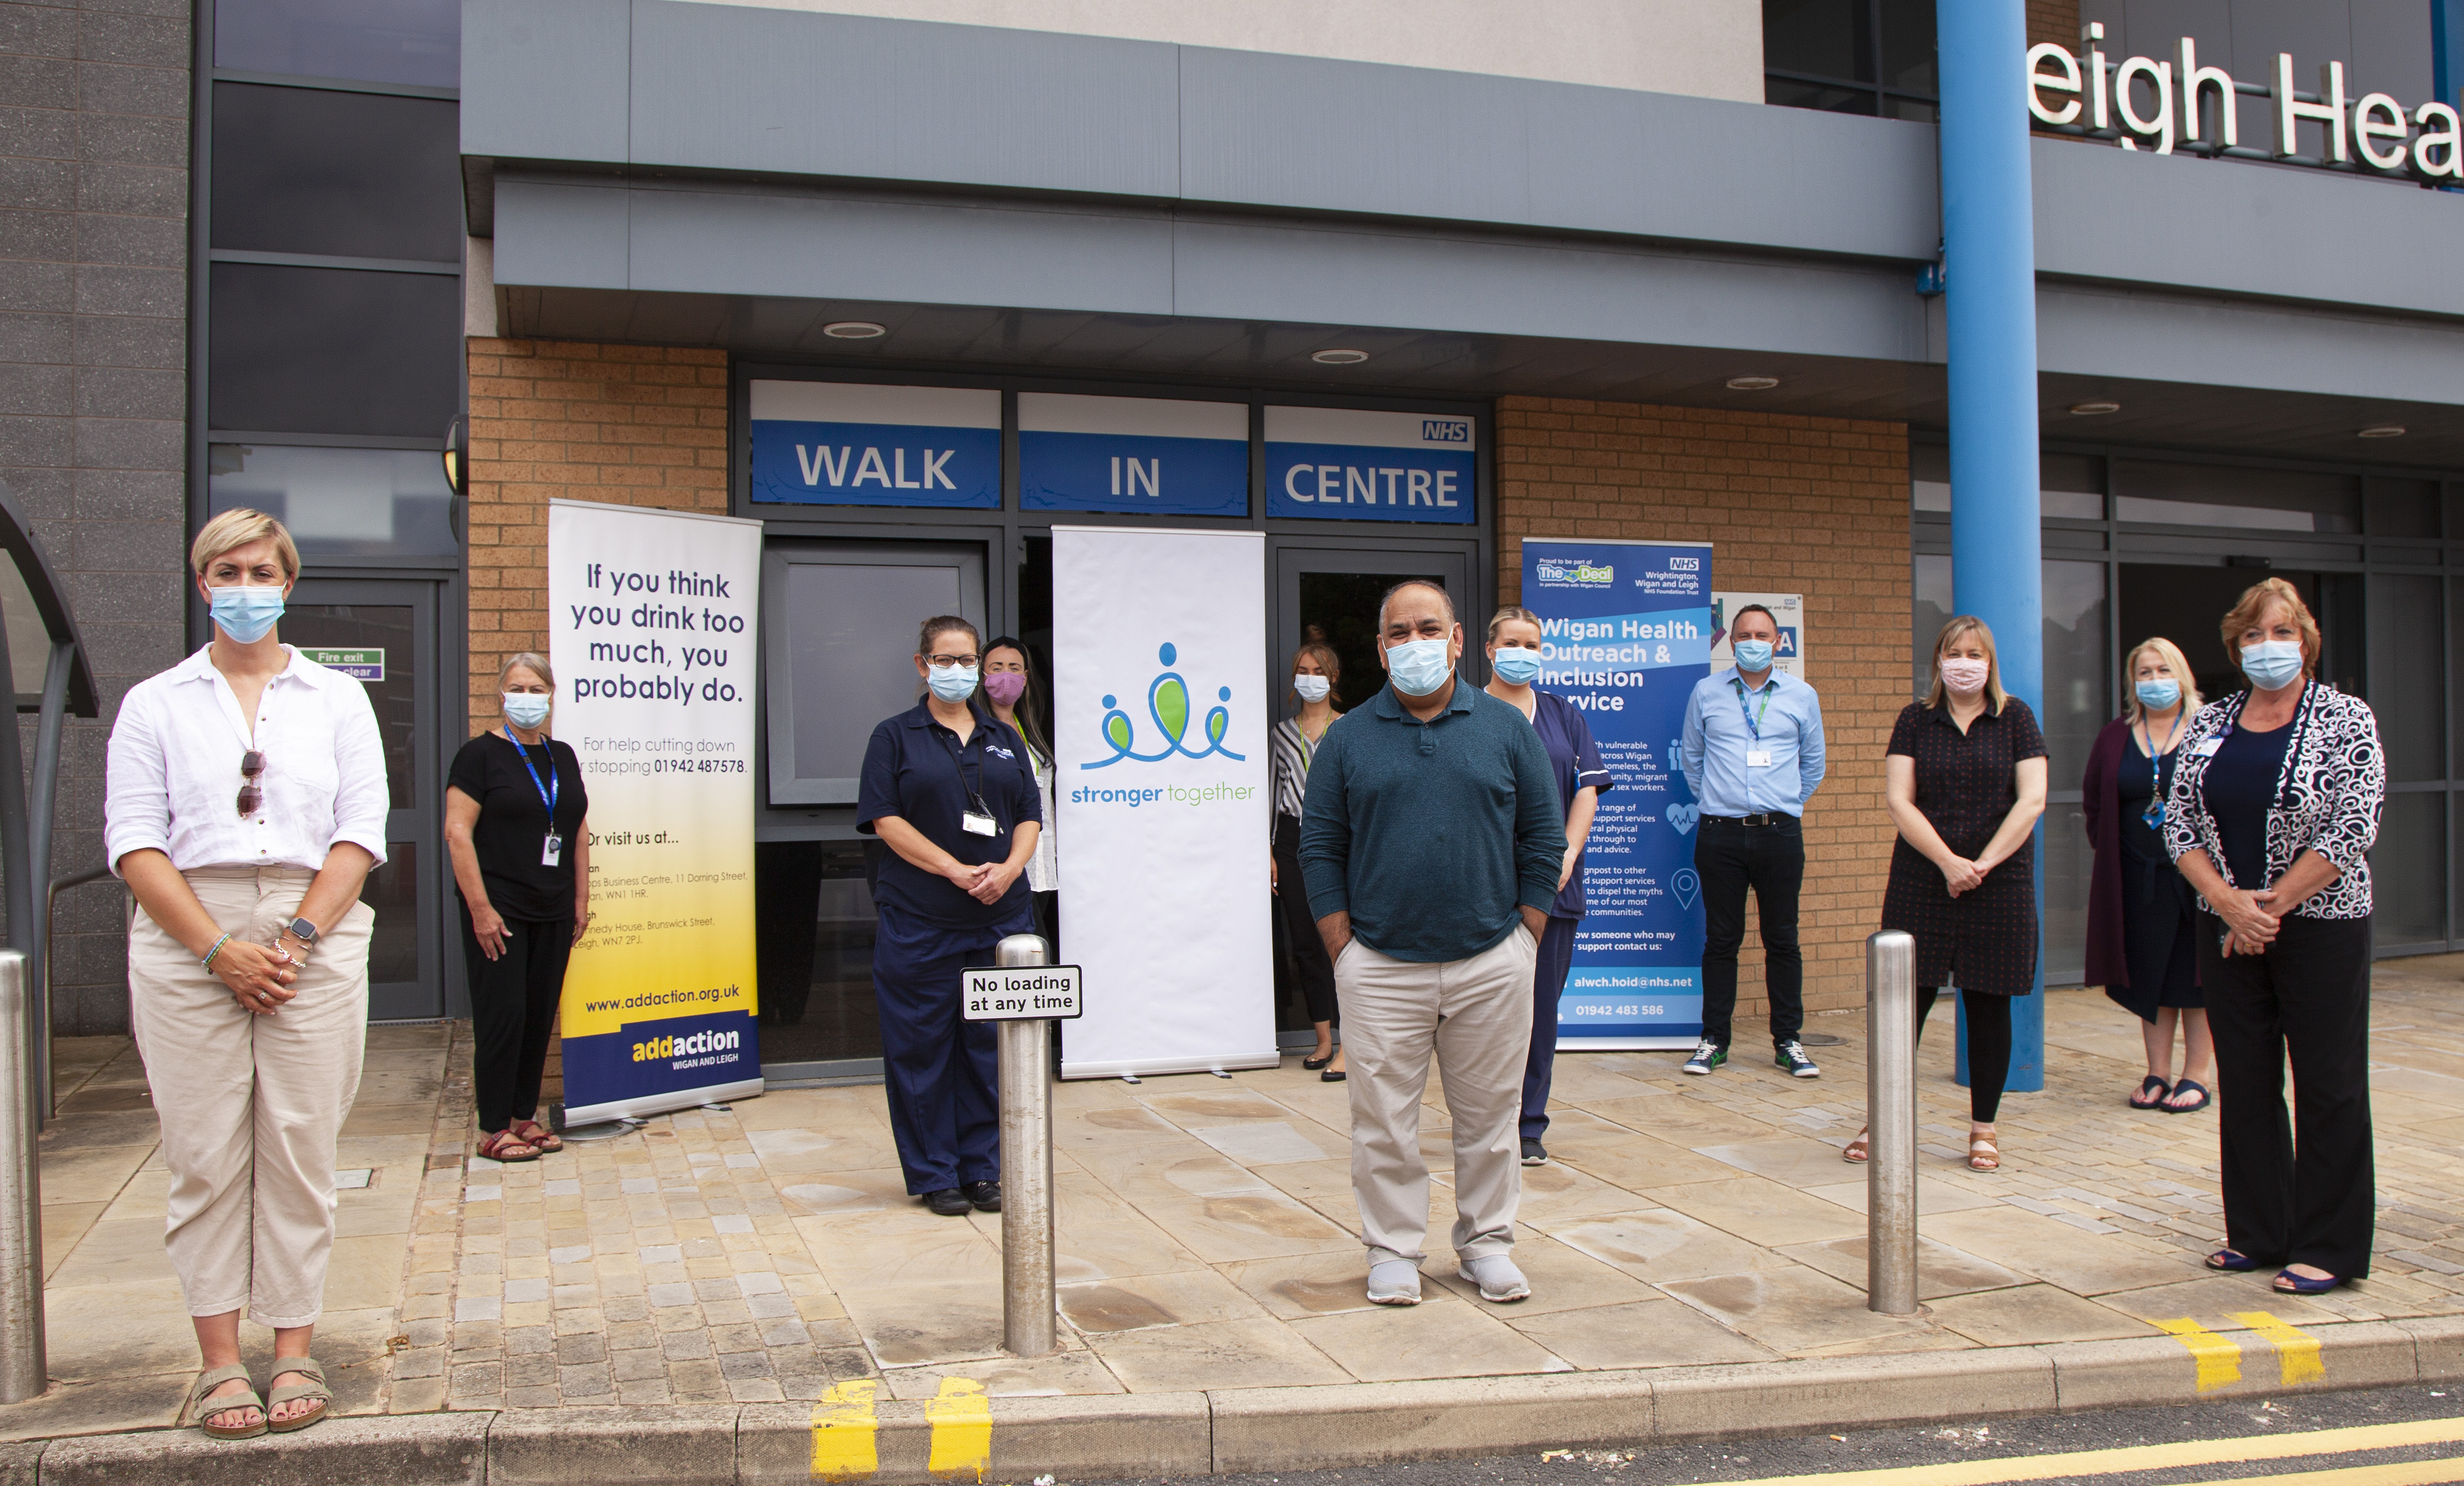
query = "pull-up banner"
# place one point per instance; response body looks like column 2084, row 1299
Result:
column 1625, row 634
column 651, row 635
column 860, row 444
column 1147, row 455
column 1159, row 732
column 1343, row 464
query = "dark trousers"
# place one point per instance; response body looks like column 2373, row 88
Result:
column 1311, row 970
column 1771, row 859
column 512, row 1009
column 1988, row 1047
column 2297, row 1190
column 1548, row 970
column 941, row 1071
column 1047, row 922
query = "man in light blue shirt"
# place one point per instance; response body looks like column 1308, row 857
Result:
column 1752, row 756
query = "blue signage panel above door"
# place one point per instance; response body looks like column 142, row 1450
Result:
column 1341, row 464
column 858, row 443
column 1153, row 457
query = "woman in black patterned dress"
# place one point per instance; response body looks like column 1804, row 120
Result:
column 1965, row 781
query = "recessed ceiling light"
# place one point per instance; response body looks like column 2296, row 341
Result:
column 2384, row 430
column 2094, row 410
column 1752, row 384
column 1339, row 358
column 854, row 330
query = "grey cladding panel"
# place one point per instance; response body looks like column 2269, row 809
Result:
column 739, row 88
column 1328, row 135
column 545, row 79
column 2206, row 343
column 2238, row 227
column 741, row 243
column 564, row 235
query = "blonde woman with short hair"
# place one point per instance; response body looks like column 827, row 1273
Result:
column 2141, row 917
column 246, row 808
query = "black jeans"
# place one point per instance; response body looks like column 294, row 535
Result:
column 1311, row 967
column 2297, row 1190
column 513, row 1008
column 1770, row 859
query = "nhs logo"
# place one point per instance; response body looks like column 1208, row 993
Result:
column 1445, row 431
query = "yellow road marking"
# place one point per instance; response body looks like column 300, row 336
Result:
column 2165, row 1457
column 2297, row 1351
column 2403, row 1472
column 962, row 1430
column 2219, row 1360
column 843, row 1431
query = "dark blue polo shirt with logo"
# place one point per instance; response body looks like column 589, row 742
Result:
column 915, row 769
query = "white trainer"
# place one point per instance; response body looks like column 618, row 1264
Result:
column 1394, row 1283
column 1497, row 1277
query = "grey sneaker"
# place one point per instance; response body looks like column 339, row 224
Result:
column 1707, row 1056
column 1497, row 1277
column 1394, row 1283
column 1792, row 1058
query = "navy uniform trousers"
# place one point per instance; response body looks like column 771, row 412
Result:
column 941, row 1070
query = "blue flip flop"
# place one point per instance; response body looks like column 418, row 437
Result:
column 2233, row 1263
column 2205, row 1097
column 2288, row 1283
column 2163, row 1092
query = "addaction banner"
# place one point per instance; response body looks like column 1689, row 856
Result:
column 1159, row 729
column 653, row 629
column 1626, row 633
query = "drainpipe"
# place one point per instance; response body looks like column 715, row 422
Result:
column 1990, row 258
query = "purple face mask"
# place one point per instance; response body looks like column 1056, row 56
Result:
column 1006, row 686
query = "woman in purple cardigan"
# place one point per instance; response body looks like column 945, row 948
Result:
column 2141, row 914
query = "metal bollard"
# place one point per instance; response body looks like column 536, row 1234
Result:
column 22, row 1362
column 1891, row 1117
column 1028, row 1302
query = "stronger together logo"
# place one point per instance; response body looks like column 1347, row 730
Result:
column 1167, row 704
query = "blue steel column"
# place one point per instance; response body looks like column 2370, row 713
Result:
column 1990, row 258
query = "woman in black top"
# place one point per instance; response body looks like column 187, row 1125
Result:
column 1966, row 780
column 514, row 826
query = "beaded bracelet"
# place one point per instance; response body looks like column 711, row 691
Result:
column 208, row 963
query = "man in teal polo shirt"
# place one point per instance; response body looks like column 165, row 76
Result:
column 1431, row 840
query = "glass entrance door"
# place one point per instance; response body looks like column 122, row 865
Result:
column 384, row 631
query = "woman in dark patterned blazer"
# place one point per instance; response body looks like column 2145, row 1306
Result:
column 2275, row 806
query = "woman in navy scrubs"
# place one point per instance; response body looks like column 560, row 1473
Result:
column 951, row 793
column 1582, row 778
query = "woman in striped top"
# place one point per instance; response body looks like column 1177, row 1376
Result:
column 1294, row 742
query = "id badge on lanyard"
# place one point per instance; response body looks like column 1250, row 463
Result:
column 976, row 819
column 552, row 845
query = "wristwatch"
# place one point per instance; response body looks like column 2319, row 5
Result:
column 302, row 929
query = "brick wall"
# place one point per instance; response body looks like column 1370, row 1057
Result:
column 2057, row 21
column 630, row 425
column 94, row 251
column 1813, row 506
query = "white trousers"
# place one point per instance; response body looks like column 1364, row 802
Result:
column 251, row 1106
column 1475, row 1016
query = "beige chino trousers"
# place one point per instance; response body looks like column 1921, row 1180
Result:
column 251, row 1106
column 1475, row 1015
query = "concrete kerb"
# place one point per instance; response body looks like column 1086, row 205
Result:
column 1089, row 1438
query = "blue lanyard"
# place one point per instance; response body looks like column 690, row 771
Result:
column 548, row 791
column 1754, row 717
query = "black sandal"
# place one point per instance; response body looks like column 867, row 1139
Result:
column 2205, row 1097
column 2142, row 1100
column 1313, row 1064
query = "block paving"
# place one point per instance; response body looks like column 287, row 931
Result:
column 764, row 1253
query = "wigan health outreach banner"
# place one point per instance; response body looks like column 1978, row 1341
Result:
column 1159, row 730
column 1625, row 634
column 651, row 635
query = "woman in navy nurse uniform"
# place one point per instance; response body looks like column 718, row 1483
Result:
column 951, row 793
column 1582, row 778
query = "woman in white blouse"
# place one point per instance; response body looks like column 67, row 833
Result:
column 247, row 805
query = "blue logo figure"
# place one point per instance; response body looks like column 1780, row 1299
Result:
column 1167, row 704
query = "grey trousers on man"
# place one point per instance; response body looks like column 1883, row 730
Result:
column 1475, row 1015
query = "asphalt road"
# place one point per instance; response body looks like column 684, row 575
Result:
column 2227, row 1424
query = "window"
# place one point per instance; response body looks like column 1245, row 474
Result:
column 339, row 503
column 354, row 175
column 415, row 42
column 298, row 350
column 1851, row 57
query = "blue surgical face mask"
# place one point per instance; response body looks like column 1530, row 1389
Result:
column 1419, row 667
column 2270, row 663
column 2160, row 692
column 1516, row 665
column 247, row 613
column 1311, row 688
column 526, row 708
column 1753, row 654
column 952, row 683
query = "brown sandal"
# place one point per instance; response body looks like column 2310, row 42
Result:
column 539, row 1137
column 307, row 1367
column 496, row 1148
column 1983, row 1155
column 1858, row 1150
column 209, row 1409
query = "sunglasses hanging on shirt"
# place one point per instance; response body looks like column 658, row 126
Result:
column 251, row 765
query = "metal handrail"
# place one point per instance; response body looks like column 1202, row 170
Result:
column 39, row 1021
column 22, row 1360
